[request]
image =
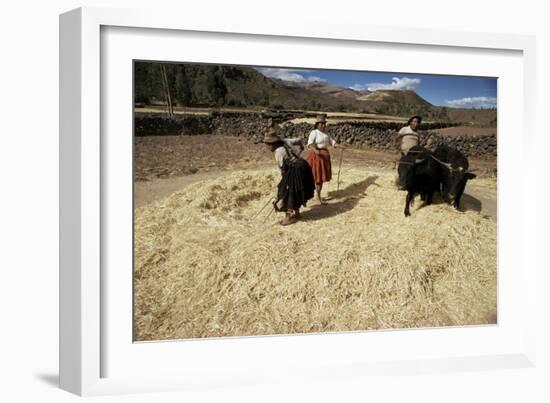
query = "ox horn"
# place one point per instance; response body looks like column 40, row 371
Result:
column 445, row 164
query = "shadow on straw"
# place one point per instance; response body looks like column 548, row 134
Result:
column 351, row 196
column 467, row 203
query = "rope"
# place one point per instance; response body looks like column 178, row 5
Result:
column 445, row 164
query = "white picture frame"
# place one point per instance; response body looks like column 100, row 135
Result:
column 89, row 339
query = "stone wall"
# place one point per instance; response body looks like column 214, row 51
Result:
column 253, row 126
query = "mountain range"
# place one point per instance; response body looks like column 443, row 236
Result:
column 203, row 85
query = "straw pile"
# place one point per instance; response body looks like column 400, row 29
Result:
column 204, row 268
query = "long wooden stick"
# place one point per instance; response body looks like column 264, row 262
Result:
column 262, row 209
column 271, row 211
column 339, row 167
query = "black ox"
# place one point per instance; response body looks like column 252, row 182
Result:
column 423, row 172
column 456, row 174
column 420, row 174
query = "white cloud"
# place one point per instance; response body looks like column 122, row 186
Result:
column 288, row 75
column 473, row 102
column 315, row 79
column 358, row 87
column 398, row 83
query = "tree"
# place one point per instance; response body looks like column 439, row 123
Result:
column 168, row 96
column 182, row 87
column 216, row 86
column 148, row 82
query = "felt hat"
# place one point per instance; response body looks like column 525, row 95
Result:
column 272, row 136
column 322, row 118
column 414, row 117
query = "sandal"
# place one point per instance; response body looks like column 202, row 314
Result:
column 288, row 220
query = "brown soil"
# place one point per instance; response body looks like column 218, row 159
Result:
column 171, row 156
column 174, row 156
column 467, row 131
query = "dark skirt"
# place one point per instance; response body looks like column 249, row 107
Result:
column 296, row 186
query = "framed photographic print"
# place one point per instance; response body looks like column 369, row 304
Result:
column 237, row 208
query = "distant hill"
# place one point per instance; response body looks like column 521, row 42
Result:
column 212, row 86
column 392, row 96
column 324, row 88
column 394, row 102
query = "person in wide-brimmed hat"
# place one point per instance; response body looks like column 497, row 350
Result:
column 417, row 117
column 296, row 185
column 319, row 157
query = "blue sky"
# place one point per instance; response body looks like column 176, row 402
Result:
column 440, row 90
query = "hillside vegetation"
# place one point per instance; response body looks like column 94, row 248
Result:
column 217, row 86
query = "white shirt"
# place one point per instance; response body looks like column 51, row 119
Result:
column 281, row 154
column 409, row 140
column 320, row 139
column 407, row 130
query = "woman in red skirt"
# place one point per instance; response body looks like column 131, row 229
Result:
column 319, row 157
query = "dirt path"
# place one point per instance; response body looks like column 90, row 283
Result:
column 479, row 198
